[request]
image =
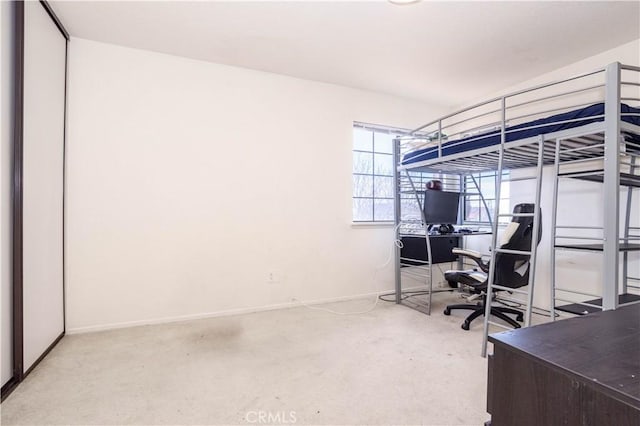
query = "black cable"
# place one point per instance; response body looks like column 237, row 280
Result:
column 387, row 300
column 403, row 295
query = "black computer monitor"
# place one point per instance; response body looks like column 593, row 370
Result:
column 441, row 207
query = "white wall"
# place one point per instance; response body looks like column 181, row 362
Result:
column 580, row 203
column 628, row 53
column 6, row 152
column 189, row 183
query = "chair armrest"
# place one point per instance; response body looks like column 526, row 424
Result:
column 467, row 252
column 474, row 255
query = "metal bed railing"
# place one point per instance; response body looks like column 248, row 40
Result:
column 500, row 113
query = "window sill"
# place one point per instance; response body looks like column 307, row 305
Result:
column 372, row 224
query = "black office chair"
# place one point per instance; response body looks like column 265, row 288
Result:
column 512, row 270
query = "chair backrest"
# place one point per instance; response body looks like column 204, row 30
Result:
column 512, row 270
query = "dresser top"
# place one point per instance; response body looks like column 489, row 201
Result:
column 603, row 348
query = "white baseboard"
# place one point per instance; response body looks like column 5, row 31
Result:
column 229, row 312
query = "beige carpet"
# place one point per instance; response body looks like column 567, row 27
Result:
column 389, row 366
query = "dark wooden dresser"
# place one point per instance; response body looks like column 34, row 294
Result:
column 580, row 371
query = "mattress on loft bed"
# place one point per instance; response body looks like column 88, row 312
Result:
column 550, row 124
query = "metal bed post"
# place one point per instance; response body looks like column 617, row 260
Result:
column 462, row 188
column 552, row 239
column 397, row 217
column 611, row 195
column 440, row 138
column 494, row 235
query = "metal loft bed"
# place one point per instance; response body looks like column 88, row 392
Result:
column 567, row 125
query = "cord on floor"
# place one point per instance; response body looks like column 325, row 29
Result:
column 331, row 311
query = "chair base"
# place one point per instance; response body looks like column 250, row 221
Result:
column 478, row 311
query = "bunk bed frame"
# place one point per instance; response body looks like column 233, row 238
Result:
column 571, row 152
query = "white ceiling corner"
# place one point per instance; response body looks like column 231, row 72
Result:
column 440, row 52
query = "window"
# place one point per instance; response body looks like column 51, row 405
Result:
column 373, row 167
column 373, row 190
column 474, row 209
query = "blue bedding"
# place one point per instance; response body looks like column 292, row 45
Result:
column 550, row 124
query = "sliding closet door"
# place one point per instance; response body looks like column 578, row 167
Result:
column 43, row 126
column 7, row 31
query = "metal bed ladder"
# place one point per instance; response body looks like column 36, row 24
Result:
column 526, row 291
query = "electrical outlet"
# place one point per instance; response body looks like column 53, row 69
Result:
column 274, row 277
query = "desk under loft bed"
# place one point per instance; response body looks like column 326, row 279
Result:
column 567, row 125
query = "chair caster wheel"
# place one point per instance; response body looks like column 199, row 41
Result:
column 465, row 326
column 520, row 318
column 447, row 311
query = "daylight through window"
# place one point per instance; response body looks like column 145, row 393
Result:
column 373, row 192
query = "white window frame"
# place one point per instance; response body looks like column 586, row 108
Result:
column 386, row 130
